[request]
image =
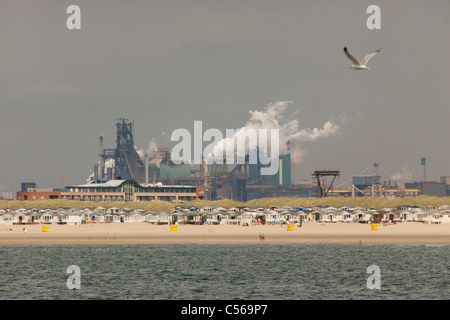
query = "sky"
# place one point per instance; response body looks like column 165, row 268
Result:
column 165, row 64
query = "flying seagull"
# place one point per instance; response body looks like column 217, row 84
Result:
column 360, row 65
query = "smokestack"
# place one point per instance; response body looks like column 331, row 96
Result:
column 146, row 168
column 102, row 161
column 109, row 173
column 95, row 171
column 280, row 172
column 422, row 162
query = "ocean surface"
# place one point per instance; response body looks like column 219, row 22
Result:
column 224, row 272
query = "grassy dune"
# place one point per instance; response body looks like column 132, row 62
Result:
column 376, row 202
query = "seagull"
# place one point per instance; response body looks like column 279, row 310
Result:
column 360, row 65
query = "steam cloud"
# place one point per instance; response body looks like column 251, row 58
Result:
column 403, row 175
column 272, row 118
column 151, row 150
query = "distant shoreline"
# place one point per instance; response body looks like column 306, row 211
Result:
column 145, row 233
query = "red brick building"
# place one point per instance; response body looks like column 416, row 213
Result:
column 38, row 195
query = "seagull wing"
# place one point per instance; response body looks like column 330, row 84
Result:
column 367, row 58
column 355, row 61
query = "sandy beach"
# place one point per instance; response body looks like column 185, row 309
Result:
column 144, row 233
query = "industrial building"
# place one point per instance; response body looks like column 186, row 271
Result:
column 431, row 188
column 220, row 181
column 38, row 195
column 117, row 190
column 27, row 186
column 123, row 174
column 130, row 190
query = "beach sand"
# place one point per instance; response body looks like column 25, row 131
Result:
column 144, row 233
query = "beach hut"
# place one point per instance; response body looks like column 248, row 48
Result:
column 329, row 217
column 298, row 216
column 213, row 218
column 175, row 217
column 179, row 217
column 302, row 216
column 259, row 217
column 190, row 217
column 2, row 214
column 436, row 218
column 8, row 218
column 47, row 218
column 445, row 216
column 20, row 218
column 99, row 209
column 108, row 217
column 286, row 217
column 113, row 210
column 346, row 216
column 407, row 215
column 68, row 218
column 135, row 217
column 362, row 216
column 229, row 218
column 316, row 216
column 96, row 217
column 422, row 216
column 151, row 217
column 377, row 216
column 273, row 217
column 207, row 209
column 387, row 217
column 122, row 216
column 245, row 219
column 163, row 218
column 338, row 217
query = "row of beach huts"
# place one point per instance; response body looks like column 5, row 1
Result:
column 219, row 215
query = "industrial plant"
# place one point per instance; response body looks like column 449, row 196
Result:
column 240, row 182
column 124, row 174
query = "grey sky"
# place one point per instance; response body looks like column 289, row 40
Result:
column 165, row 64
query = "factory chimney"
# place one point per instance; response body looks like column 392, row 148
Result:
column 146, row 168
column 109, row 174
column 102, row 161
column 422, row 162
column 95, row 171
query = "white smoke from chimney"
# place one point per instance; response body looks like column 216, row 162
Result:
column 403, row 175
column 109, row 163
column 272, row 118
column 150, row 151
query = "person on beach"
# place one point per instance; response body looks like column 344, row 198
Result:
column 260, row 236
column 263, row 237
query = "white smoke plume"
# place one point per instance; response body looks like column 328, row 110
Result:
column 403, row 175
column 289, row 131
column 150, row 151
column 109, row 163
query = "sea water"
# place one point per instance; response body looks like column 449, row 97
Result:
column 213, row 272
